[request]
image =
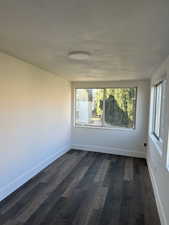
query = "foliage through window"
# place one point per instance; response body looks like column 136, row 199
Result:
column 105, row 107
column 157, row 109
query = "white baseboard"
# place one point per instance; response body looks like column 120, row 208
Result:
column 19, row 181
column 109, row 150
column 157, row 195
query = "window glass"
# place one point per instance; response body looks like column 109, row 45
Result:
column 120, row 107
column 89, row 106
column 157, row 109
column 107, row 107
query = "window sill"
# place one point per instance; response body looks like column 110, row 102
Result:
column 158, row 143
column 106, row 128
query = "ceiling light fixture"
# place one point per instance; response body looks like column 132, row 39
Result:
column 79, row 55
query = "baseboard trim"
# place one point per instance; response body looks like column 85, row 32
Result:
column 110, row 150
column 19, row 181
column 157, row 195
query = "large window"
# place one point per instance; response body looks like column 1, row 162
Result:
column 158, row 89
column 105, row 107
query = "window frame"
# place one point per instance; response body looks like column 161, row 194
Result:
column 103, row 126
column 167, row 152
column 158, row 138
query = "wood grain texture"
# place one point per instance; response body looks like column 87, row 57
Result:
column 84, row 188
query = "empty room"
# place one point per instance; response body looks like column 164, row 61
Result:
column 84, row 112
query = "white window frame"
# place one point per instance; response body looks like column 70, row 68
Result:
column 158, row 141
column 156, row 86
column 167, row 153
column 103, row 122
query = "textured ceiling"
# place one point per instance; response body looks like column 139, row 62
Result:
column 127, row 39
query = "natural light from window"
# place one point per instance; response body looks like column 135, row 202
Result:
column 105, row 107
column 157, row 109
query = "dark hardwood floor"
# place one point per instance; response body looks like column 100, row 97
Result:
column 84, row 188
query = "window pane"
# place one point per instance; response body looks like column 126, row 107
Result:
column 120, row 107
column 89, row 106
column 157, row 108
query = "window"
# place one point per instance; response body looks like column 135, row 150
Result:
column 158, row 88
column 105, row 107
column 168, row 152
column 88, row 107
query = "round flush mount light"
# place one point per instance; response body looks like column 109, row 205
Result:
column 79, row 55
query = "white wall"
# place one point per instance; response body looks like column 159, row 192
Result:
column 118, row 141
column 34, row 121
column 157, row 156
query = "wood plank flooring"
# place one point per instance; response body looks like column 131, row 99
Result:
column 84, row 188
